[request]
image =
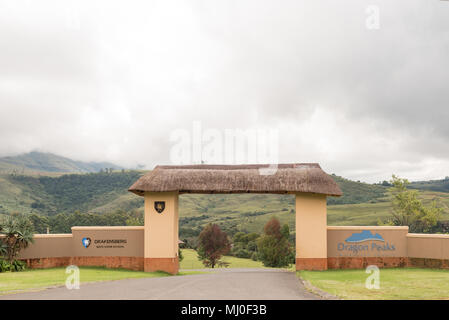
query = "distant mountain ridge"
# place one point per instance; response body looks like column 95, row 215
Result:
column 49, row 162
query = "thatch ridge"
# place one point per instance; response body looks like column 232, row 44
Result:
column 245, row 178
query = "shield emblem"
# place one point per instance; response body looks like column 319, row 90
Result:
column 86, row 242
column 159, row 206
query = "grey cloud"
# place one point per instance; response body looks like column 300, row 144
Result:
column 116, row 88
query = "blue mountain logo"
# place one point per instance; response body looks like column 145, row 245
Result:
column 86, row 242
column 365, row 235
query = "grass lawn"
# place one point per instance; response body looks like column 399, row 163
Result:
column 43, row 278
column 191, row 261
column 395, row 283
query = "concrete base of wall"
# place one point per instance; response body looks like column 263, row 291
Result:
column 170, row 265
column 363, row 262
column 43, row 263
column 311, row 264
column 429, row 263
column 131, row 263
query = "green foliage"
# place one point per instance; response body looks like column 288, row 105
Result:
column 212, row 245
column 274, row 249
column 17, row 234
column 18, row 265
column 5, row 265
column 50, row 195
column 408, row 210
column 106, row 193
column 63, row 222
column 357, row 192
column 244, row 245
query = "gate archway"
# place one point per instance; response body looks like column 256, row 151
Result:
column 162, row 186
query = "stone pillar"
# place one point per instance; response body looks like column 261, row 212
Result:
column 161, row 233
column 311, row 231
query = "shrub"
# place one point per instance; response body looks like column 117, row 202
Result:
column 254, row 256
column 18, row 265
column 5, row 266
column 274, row 249
column 18, row 234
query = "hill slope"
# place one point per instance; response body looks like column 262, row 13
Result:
column 66, row 193
column 48, row 162
column 101, row 193
column 432, row 185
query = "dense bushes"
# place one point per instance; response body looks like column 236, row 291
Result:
column 244, row 245
column 357, row 192
column 14, row 266
column 63, row 222
column 274, row 249
column 71, row 192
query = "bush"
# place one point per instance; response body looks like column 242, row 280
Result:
column 18, row 265
column 244, row 245
column 5, row 266
column 242, row 253
column 18, row 234
column 254, row 256
column 274, row 249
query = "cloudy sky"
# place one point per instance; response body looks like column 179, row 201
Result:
column 112, row 80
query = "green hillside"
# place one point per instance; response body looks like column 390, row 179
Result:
column 68, row 193
column 48, row 162
column 357, row 192
column 432, row 185
column 106, row 193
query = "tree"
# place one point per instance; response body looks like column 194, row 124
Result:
column 18, row 234
column 40, row 223
column 212, row 245
column 274, row 249
column 408, row 210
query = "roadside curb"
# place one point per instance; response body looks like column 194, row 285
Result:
column 316, row 291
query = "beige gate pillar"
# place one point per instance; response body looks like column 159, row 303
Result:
column 161, row 232
column 311, row 231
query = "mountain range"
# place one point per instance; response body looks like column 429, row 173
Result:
column 49, row 162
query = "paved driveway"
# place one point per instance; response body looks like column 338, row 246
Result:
column 223, row 284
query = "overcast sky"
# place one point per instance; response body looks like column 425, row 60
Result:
column 110, row 81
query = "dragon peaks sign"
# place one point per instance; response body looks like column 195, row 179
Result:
column 365, row 242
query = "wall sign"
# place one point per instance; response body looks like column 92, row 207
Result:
column 86, row 242
column 365, row 241
column 104, row 243
column 159, row 206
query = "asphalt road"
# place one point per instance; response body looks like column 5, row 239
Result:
column 223, row 284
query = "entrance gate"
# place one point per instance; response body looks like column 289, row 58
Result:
column 162, row 187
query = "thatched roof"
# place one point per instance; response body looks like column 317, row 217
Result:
column 288, row 178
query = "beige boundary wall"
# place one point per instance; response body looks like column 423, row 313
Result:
column 428, row 250
column 356, row 247
column 113, row 247
column 348, row 247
